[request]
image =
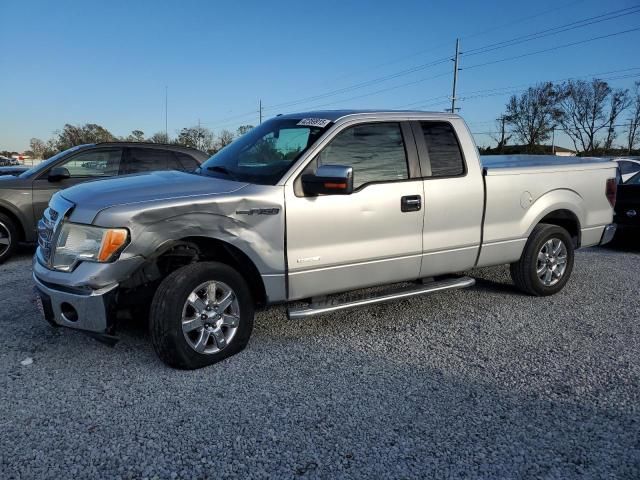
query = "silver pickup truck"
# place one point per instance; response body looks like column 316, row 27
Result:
column 303, row 207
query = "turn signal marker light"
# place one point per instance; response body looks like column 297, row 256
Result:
column 113, row 241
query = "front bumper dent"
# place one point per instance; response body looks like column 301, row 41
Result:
column 608, row 233
column 90, row 311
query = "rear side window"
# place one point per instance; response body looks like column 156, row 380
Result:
column 147, row 160
column 187, row 162
column 444, row 150
column 374, row 150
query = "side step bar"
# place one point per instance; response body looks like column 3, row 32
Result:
column 334, row 305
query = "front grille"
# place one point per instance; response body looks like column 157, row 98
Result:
column 46, row 228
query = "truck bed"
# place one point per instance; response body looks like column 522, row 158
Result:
column 522, row 189
column 537, row 161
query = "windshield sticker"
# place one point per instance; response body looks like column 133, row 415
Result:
column 314, row 122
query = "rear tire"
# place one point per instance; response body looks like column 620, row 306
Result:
column 8, row 237
column 546, row 262
column 200, row 315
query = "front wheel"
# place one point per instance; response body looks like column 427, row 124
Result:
column 8, row 237
column 200, row 315
column 546, row 262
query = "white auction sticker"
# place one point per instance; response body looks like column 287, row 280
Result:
column 314, row 122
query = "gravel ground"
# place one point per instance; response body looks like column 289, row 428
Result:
column 477, row 383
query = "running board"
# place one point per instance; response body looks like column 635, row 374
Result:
column 334, row 305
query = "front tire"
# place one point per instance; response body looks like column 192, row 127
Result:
column 546, row 262
column 200, row 315
column 8, row 237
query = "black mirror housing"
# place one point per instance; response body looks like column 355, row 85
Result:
column 58, row 173
column 329, row 180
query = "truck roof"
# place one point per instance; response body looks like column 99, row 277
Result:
column 335, row 115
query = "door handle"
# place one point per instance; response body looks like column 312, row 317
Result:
column 411, row 203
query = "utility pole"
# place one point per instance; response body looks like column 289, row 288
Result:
column 260, row 110
column 166, row 114
column 199, row 137
column 503, row 120
column 553, row 140
column 455, row 76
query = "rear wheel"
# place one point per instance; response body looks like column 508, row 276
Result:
column 546, row 262
column 8, row 237
column 201, row 314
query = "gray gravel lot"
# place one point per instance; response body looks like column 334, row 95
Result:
column 477, row 383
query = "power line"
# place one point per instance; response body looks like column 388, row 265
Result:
column 557, row 47
column 434, row 63
column 554, row 31
column 509, row 89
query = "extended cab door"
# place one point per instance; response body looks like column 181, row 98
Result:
column 83, row 166
column 374, row 235
column 453, row 196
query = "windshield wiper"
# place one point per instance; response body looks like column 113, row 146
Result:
column 221, row 169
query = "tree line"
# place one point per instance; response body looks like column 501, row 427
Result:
column 69, row 136
column 598, row 119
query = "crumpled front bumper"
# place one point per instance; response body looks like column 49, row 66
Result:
column 86, row 298
column 87, row 310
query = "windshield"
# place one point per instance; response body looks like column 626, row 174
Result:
column 265, row 153
column 45, row 164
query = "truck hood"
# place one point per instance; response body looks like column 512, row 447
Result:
column 97, row 195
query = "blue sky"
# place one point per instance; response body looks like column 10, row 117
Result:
column 109, row 62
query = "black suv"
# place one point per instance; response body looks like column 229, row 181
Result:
column 23, row 198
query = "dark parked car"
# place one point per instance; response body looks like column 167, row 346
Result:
column 8, row 162
column 23, row 198
column 17, row 170
column 628, row 205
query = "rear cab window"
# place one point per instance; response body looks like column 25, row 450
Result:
column 442, row 150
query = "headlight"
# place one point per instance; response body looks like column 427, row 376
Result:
column 85, row 242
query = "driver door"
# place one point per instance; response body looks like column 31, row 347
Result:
column 82, row 167
column 342, row 242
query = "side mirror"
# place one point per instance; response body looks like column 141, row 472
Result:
column 58, row 173
column 329, row 180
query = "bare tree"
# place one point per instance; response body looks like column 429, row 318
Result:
column 533, row 114
column 225, row 137
column 633, row 131
column 38, row 147
column 159, row 137
column 502, row 139
column 583, row 106
column 619, row 102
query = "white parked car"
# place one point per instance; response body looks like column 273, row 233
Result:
column 628, row 167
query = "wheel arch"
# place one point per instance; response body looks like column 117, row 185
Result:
column 174, row 254
column 15, row 217
column 563, row 208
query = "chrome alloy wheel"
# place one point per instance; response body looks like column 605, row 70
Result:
column 5, row 238
column 210, row 317
column 552, row 262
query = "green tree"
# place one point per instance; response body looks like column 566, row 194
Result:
column 136, row 136
column 72, row 135
column 196, row 137
column 242, row 129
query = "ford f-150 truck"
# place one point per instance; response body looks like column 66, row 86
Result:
column 303, row 207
